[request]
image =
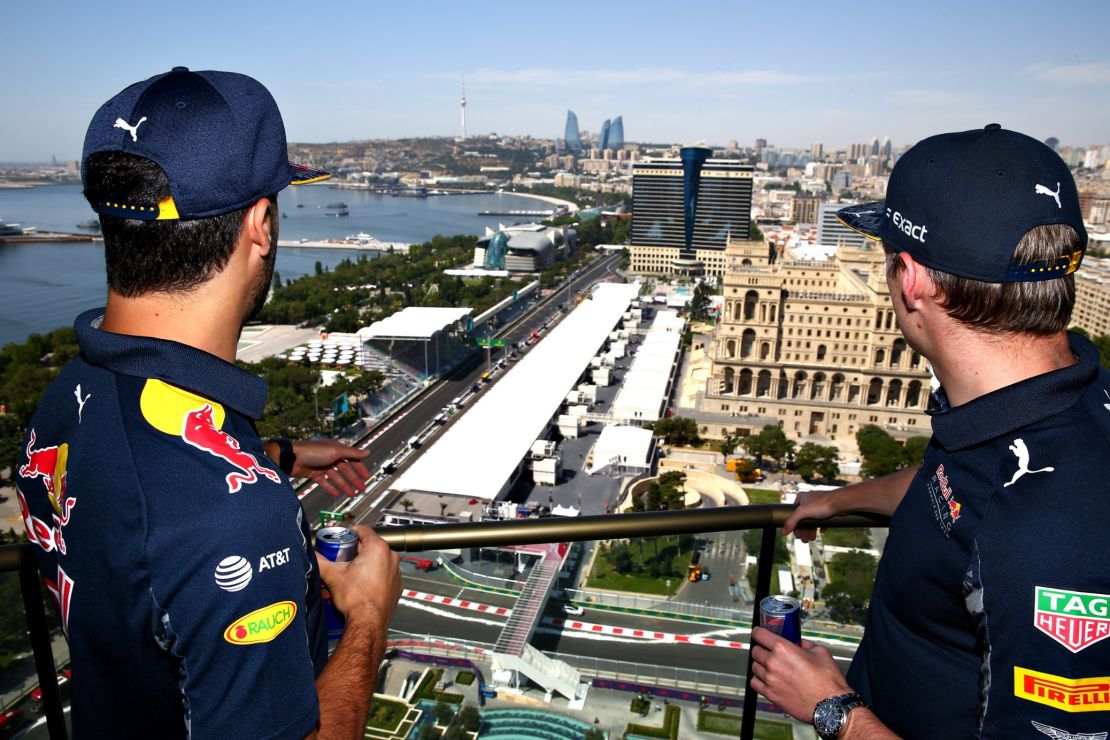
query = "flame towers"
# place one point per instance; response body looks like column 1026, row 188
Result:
column 570, row 135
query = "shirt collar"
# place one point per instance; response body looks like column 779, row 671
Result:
column 1021, row 404
column 178, row 364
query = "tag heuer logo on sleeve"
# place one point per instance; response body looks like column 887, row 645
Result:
column 1075, row 619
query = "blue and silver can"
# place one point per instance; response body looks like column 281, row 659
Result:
column 781, row 615
column 339, row 545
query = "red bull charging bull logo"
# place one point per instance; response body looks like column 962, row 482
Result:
column 200, row 431
column 49, row 464
column 199, row 422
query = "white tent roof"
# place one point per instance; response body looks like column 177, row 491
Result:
column 415, row 322
column 478, row 454
column 631, row 445
column 645, row 385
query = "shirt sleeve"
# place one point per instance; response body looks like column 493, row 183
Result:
column 228, row 587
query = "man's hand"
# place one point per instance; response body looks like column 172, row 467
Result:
column 794, row 677
column 367, row 588
column 334, row 466
column 811, row 505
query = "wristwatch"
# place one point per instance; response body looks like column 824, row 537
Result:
column 830, row 715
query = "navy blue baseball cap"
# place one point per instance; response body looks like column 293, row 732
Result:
column 218, row 136
column 961, row 202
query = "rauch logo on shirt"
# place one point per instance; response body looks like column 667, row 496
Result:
column 1075, row 619
column 261, row 625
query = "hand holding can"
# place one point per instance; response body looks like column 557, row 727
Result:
column 781, row 615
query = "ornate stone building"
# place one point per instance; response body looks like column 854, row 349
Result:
column 813, row 346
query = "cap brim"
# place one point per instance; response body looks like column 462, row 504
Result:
column 866, row 218
column 301, row 175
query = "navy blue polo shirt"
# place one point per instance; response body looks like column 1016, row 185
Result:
column 991, row 609
column 177, row 552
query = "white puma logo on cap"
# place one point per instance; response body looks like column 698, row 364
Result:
column 134, row 130
column 1042, row 190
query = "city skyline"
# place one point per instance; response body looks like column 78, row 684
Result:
column 828, row 78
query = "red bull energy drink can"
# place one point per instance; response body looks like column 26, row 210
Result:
column 339, row 545
column 781, row 615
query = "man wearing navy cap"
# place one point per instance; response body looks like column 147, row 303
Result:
column 167, row 532
column 991, row 608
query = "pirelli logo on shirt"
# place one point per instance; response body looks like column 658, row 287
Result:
column 1065, row 694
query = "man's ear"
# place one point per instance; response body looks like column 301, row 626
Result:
column 914, row 282
column 256, row 227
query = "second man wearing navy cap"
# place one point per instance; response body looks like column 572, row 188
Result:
column 991, row 606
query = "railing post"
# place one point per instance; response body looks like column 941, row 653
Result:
column 40, row 645
column 762, row 589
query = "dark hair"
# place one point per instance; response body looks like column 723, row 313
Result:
column 156, row 256
column 1036, row 307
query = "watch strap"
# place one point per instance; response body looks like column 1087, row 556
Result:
column 286, row 456
column 847, row 702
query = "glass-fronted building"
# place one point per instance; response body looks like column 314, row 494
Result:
column 724, row 205
column 616, row 134
column 571, row 135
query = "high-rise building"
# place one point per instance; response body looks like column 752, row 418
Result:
column 720, row 205
column 760, row 145
column 616, row 134
column 814, row 348
column 804, row 209
column 817, row 151
column 874, row 146
column 462, row 105
column 887, row 147
column 570, row 135
column 830, row 232
column 603, row 137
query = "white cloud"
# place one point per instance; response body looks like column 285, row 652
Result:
column 1095, row 73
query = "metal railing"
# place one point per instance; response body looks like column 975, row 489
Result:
column 418, row 538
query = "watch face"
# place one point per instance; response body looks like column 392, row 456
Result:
column 828, row 717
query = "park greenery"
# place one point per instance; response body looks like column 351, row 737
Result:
column 677, row 430
column 851, row 580
column 770, row 443
column 881, row 453
column 816, row 462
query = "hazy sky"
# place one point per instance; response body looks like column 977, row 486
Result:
column 790, row 72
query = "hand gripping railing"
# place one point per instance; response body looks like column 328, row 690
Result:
column 18, row 558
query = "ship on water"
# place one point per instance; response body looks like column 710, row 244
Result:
column 93, row 224
column 15, row 229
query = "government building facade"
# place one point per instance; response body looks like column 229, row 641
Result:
column 813, row 347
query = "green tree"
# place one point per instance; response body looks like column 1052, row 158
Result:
column 881, row 454
column 729, row 444
column 470, row 718
column 819, row 462
column 914, row 451
column 620, row 557
column 700, row 302
column 771, row 442
column 443, row 712
column 677, row 430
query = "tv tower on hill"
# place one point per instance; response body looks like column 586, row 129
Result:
column 462, row 104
